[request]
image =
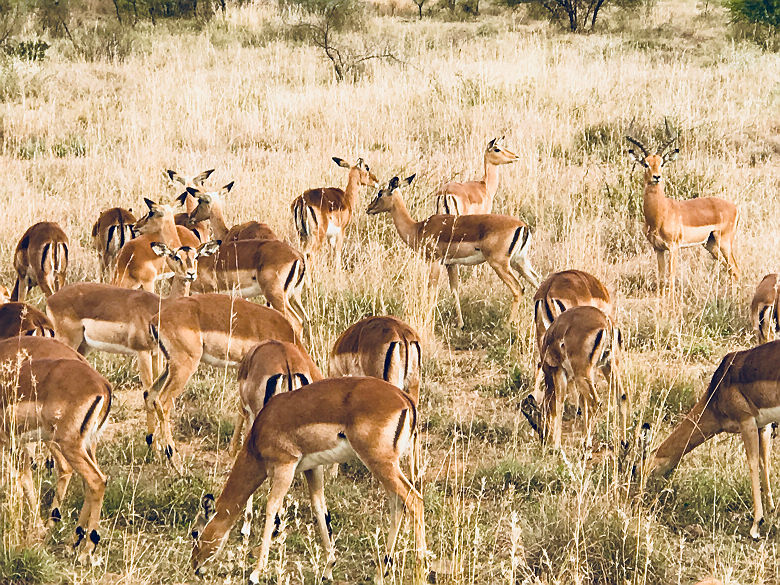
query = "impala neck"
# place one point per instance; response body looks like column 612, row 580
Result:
column 408, row 229
column 654, row 203
column 217, row 219
column 180, row 287
column 490, row 179
column 698, row 426
column 353, row 188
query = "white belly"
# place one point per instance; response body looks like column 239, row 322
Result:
column 342, row 452
column 332, row 231
column 217, row 362
column 106, row 336
column 477, row 257
column 248, row 292
column 767, row 416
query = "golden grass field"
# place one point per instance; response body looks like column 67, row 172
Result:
column 236, row 94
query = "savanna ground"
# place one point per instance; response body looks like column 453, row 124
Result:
column 81, row 133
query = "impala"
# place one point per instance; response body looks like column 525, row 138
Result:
column 743, row 397
column 324, row 213
column 763, row 309
column 476, row 197
column 218, row 330
column 193, row 181
column 41, row 258
column 112, row 230
column 499, row 240
column 22, row 319
column 385, row 348
column 270, row 368
column 66, row 403
column 671, row 224
column 579, row 341
column 329, row 421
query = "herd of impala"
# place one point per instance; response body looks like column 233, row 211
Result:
column 295, row 419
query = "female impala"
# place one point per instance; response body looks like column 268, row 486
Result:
column 579, row 341
column 270, row 368
column 41, row 259
column 111, row 231
column 671, row 225
column 65, row 402
column 329, row 421
column 218, row 330
column 23, row 319
column 211, row 207
column 499, row 240
column 763, row 309
column 743, row 397
column 476, row 197
column 324, row 213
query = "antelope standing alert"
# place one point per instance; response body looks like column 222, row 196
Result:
column 218, row 330
column 743, row 397
column 579, row 341
column 270, row 368
column 324, row 213
column 112, row 230
column 330, row 421
column 476, row 197
column 763, row 309
column 65, row 403
column 671, row 224
column 41, row 258
column 22, row 319
column 499, row 240
column 184, row 181
column 386, row 348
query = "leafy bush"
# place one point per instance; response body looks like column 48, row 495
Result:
column 762, row 15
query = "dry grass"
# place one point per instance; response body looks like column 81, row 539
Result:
column 237, row 95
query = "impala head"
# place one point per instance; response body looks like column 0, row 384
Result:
column 203, row 550
column 158, row 213
column 195, row 181
column 206, row 200
column 654, row 162
column 496, row 154
column 184, row 260
column 365, row 176
column 384, row 199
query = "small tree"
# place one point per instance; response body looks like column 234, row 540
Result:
column 762, row 15
column 420, row 4
column 576, row 15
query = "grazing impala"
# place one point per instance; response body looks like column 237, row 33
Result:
column 270, row 368
column 671, row 225
column 218, row 330
column 499, row 240
column 22, row 319
column 41, row 258
column 325, row 213
column 743, row 397
column 330, row 421
column 476, row 197
column 579, row 341
column 763, row 309
column 65, row 402
column 113, row 228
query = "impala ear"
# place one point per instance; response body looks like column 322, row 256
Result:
column 208, row 505
column 492, row 143
column 208, row 248
column 341, row 162
column 672, row 156
column 198, row 179
column 182, row 198
column 637, row 157
column 408, row 180
column 393, row 184
column 360, row 164
column 226, row 189
column 174, row 176
column 161, row 249
column 149, row 203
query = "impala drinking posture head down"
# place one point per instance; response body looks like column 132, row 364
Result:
column 476, row 197
column 65, row 402
column 763, row 309
column 743, row 397
column 330, row 421
column 324, row 213
column 579, row 341
column 112, row 230
column 449, row 240
column 216, row 329
column 671, row 225
column 41, row 259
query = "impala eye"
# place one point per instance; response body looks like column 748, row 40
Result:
column 496, row 150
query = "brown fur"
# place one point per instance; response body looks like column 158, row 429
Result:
column 22, row 319
column 41, row 259
column 763, row 309
column 111, row 231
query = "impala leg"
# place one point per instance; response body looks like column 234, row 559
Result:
column 31, row 495
column 281, row 480
column 433, row 281
column 612, row 375
column 316, row 482
column 523, row 266
column 20, row 289
column 765, row 453
column 238, row 432
column 749, row 433
column 505, row 274
column 660, row 256
column 64, row 473
column 87, row 536
column 591, row 406
column 674, row 253
column 452, row 273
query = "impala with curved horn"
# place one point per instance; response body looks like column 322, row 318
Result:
column 671, row 224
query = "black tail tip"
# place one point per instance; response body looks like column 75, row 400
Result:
column 149, row 439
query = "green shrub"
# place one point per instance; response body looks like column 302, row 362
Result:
column 762, row 18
